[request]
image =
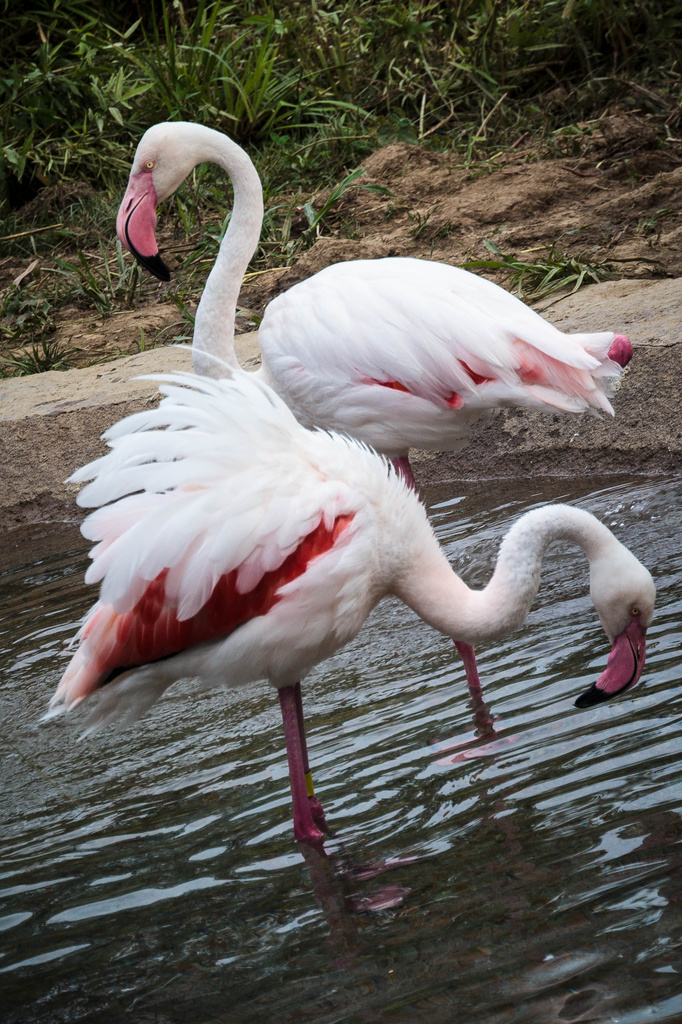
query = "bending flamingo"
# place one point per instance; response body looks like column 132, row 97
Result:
column 400, row 353
column 236, row 545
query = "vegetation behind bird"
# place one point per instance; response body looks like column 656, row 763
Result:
column 309, row 88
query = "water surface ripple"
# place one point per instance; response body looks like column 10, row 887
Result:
column 151, row 874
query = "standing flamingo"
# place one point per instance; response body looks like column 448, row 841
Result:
column 236, row 545
column 400, row 353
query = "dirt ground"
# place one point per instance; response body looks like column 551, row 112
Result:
column 626, row 212
column 616, row 199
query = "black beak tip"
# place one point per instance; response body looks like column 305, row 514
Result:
column 155, row 265
column 591, row 697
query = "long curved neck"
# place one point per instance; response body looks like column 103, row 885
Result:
column 213, row 344
column 441, row 598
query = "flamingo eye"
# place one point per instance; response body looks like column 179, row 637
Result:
column 634, row 611
column 149, row 164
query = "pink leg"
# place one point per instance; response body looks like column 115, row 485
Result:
column 305, row 829
column 482, row 717
column 316, row 808
column 404, row 469
column 483, row 720
column 468, row 656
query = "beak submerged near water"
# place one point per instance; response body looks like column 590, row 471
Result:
column 623, row 668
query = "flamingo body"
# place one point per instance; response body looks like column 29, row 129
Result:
column 406, row 353
column 158, row 626
column 233, row 544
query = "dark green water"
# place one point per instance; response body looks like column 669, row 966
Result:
column 152, row 875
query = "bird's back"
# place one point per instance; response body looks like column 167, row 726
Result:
column 404, row 352
column 212, row 511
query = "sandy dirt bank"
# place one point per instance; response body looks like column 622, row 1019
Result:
column 51, row 423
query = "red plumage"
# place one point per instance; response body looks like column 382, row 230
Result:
column 152, row 629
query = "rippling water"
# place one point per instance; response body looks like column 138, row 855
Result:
column 534, row 875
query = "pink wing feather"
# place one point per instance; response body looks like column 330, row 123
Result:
column 111, row 642
column 200, row 526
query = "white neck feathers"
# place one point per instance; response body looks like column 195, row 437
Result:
column 443, row 600
column 214, row 325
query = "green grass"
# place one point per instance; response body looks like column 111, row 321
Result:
column 105, row 285
column 79, row 81
column 47, row 354
column 317, row 218
column 556, row 271
column 24, row 313
column 310, row 89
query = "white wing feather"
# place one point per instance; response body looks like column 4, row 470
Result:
column 416, row 321
column 234, row 485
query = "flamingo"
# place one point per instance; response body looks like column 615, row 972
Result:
column 401, row 353
column 233, row 544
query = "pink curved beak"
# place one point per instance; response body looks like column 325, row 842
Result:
column 623, row 668
column 621, row 350
column 136, row 222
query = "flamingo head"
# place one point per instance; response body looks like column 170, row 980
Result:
column 623, row 593
column 166, row 154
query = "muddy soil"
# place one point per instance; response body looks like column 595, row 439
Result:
column 629, row 219
column 51, row 422
column 616, row 199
